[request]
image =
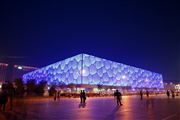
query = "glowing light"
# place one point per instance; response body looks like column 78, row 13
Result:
column 20, row 67
column 133, row 89
column 123, row 77
column 0, row 86
column 83, row 71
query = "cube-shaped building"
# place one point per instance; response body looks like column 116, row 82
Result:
column 91, row 70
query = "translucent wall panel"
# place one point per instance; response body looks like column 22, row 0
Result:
column 87, row 69
column 67, row 71
column 101, row 71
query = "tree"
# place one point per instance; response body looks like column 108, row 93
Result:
column 40, row 87
column 100, row 86
column 19, row 87
column 52, row 90
column 31, row 86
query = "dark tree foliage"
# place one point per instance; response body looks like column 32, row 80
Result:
column 19, row 87
column 31, row 87
column 40, row 87
column 52, row 90
column 100, row 86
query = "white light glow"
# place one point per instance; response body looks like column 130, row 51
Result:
column 123, row 76
column 19, row 67
column 83, row 71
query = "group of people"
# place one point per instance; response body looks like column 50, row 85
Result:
column 117, row 95
column 83, row 96
column 141, row 94
column 172, row 93
column 57, row 95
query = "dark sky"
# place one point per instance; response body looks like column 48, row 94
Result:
column 142, row 34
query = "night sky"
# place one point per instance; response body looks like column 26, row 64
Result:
column 141, row 34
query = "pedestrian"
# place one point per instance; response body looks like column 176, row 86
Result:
column 84, row 96
column 147, row 93
column 81, row 96
column 173, row 95
column 141, row 94
column 3, row 97
column 11, row 94
column 55, row 95
column 58, row 94
column 168, row 93
column 118, row 96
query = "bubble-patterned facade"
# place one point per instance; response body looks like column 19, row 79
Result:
column 88, row 69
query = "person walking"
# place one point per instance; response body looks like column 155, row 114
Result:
column 118, row 96
column 147, row 93
column 55, row 95
column 141, row 94
column 3, row 97
column 84, row 96
column 168, row 93
column 173, row 95
column 81, row 96
column 58, row 94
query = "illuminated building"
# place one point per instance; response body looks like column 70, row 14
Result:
column 177, row 87
column 86, row 69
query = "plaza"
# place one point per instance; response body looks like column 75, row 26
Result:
column 97, row 108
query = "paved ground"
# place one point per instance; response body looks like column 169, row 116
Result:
column 154, row 108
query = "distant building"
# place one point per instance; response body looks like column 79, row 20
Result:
column 177, row 87
column 10, row 72
column 20, row 70
column 3, row 71
column 87, row 70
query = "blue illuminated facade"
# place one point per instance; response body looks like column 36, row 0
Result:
column 91, row 70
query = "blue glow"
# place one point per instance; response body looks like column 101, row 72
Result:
column 87, row 69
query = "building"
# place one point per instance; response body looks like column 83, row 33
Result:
column 10, row 72
column 3, row 71
column 87, row 70
column 177, row 87
column 20, row 70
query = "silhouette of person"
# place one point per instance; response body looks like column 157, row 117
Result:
column 168, row 93
column 84, row 96
column 58, row 94
column 118, row 96
column 81, row 96
column 177, row 94
column 173, row 95
column 3, row 97
column 147, row 93
column 55, row 95
column 11, row 91
column 141, row 94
